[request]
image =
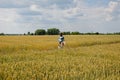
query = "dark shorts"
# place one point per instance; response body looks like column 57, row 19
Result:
column 61, row 42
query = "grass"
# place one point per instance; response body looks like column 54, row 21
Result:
column 37, row 58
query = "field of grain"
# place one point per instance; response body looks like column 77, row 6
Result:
column 84, row 57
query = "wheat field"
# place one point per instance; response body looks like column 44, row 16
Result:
column 84, row 57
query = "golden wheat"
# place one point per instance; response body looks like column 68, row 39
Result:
column 37, row 58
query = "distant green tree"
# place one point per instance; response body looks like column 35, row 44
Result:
column 28, row 33
column 53, row 31
column 117, row 33
column 66, row 33
column 31, row 33
column 2, row 34
column 40, row 32
column 89, row 33
column 75, row 33
column 97, row 33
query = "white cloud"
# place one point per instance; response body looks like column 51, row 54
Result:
column 113, row 10
column 8, row 15
column 108, row 18
column 112, row 6
column 34, row 7
column 77, row 13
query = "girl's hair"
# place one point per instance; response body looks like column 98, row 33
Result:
column 61, row 34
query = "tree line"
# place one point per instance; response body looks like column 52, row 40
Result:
column 51, row 31
column 55, row 31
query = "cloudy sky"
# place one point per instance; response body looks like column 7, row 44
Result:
column 21, row 16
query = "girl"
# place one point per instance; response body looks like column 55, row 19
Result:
column 61, row 40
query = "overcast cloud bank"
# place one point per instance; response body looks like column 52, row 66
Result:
column 67, row 15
